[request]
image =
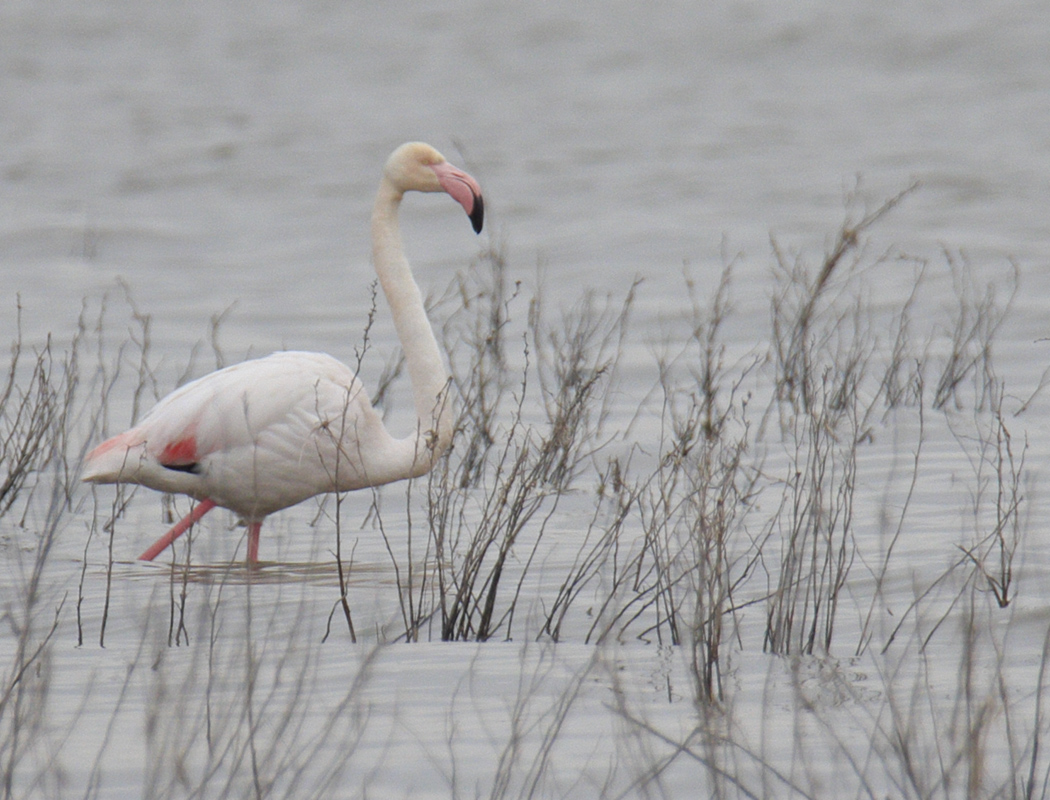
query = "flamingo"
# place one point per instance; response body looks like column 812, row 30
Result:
column 266, row 434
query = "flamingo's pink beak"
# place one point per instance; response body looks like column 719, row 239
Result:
column 464, row 190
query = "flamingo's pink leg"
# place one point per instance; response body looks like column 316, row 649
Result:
column 253, row 542
column 202, row 508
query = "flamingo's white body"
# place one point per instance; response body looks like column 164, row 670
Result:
column 266, row 434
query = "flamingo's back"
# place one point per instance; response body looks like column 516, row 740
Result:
column 257, row 437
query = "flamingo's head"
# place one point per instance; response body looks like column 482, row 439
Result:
column 418, row 167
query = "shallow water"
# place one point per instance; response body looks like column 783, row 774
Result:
column 221, row 161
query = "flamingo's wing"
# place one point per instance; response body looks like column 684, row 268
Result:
column 254, row 437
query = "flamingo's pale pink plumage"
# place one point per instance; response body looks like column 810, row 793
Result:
column 266, row 434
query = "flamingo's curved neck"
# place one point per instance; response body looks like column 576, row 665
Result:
column 426, row 368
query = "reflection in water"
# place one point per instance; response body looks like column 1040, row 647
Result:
column 319, row 573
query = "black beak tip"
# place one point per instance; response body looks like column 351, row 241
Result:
column 477, row 214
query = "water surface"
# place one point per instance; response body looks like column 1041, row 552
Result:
column 221, row 160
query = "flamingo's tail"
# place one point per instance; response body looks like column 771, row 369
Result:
column 113, row 460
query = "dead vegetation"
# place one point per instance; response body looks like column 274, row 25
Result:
column 730, row 515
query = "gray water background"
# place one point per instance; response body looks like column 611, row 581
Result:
column 222, row 158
